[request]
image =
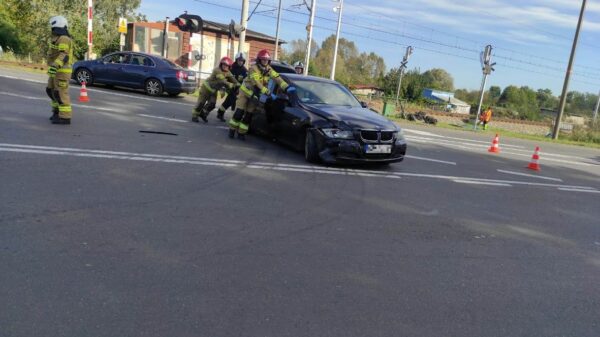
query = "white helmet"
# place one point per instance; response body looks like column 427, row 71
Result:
column 299, row 64
column 58, row 22
column 240, row 55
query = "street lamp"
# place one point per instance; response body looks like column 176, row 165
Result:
column 339, row 10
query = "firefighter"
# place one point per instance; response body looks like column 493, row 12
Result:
column 299, row 67
column 240, row 72
column 485, row 117
column 60, row 57
column 220, row 78
column 252, row 91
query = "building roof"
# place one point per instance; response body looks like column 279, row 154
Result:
column 221, row 27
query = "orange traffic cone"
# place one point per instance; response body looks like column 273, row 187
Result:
column 533, row 165
column 83, row 96
column 494, row 148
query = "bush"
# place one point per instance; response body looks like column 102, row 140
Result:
column 589, row 133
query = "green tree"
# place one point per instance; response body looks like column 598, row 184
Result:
column 31, row 20
column 439, row 79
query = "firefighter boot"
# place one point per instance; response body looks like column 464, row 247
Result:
column 241, row 136
column 221, row 115
column 231, row 133
column 61, row 121
column 195, row 119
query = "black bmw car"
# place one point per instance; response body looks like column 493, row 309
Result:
column 154, row 74
column 323, row 119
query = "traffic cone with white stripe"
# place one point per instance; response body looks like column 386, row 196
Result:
column 533, row 165
column 495, row 148
column 83, row 96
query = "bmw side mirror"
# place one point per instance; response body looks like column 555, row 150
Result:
column 364, row 104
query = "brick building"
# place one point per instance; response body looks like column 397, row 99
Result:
column 205, row 49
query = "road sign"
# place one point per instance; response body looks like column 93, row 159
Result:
column 123, row 25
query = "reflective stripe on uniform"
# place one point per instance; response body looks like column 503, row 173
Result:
column 63, row 46
column 207, row 86
column 220, row 76
column 233, row 123
column 64, row 108
column 243, row 128
column 65, row 70
column 59, row 63
column 246, row 91
column 54, row 104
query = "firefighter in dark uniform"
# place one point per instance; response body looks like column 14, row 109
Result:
column 60, row 57
column 220, row 78
column 252, row 91
column 240, row 72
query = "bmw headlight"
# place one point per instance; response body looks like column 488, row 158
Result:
column 400, row 135
column 338, row 134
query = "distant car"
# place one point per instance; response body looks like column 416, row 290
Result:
column 282, row 67
column 154, row 74
column 323, row 119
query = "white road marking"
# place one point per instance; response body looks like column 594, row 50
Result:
column 577, row 190
column 529, row 175
column 47, row 150
column 164, row 118
column 545, row 156
column 472, row 182
column 423, row 133
column 105, row 91
column 91, row 107
column 431, row 160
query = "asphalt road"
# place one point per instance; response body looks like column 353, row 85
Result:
column 109, row 231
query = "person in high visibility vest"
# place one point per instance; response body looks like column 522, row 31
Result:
column 254, row 91
column 485, row 117
column 220, row 78
column 60, row 57
column 239, row 71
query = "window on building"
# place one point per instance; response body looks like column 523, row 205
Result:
column 156, row 41
column 174, row 45
column 140, row 39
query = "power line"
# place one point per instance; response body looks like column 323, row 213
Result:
column 474, row 58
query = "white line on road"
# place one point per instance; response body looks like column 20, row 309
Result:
column 431, row 160
column 577, row 190
column 4, row 147
column 472, row 182
column 91, row 107
column 169, row 101
column 529, row 175
column 164, row 118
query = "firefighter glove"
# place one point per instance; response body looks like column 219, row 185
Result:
column 290, row 89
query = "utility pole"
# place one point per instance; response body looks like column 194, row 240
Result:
column 244, row 24
column 596, row 108
column 277, row 31
column 313, row 9
column 165, row 37
column 409, row 51
column 487, row 68
column 339, row 8
column 563, row 97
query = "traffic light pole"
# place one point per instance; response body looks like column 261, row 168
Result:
column 244, row 24
column 483, row 84
column 563, row 96
column 409, row 50
column 487, row 68
column 313, row 8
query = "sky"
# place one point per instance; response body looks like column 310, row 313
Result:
column 531, row 39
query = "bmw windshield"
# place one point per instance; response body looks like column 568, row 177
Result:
column 326, row 93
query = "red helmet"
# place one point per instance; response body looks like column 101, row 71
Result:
column 226, row 60
column 263, row 55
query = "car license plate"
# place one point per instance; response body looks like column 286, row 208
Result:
column 372, row 148
column 191, row 77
